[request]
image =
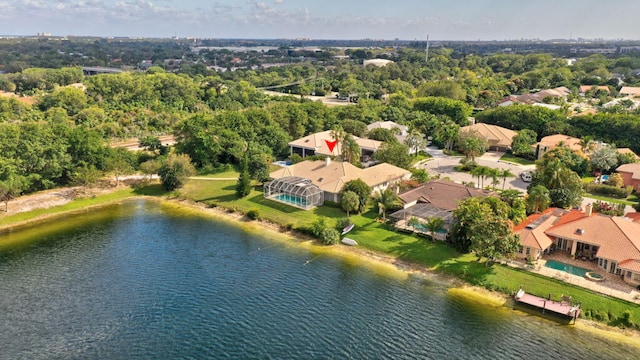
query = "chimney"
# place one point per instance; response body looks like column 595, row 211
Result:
column 588, row 210
column 327, row 161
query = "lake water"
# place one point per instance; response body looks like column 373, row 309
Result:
column 144, row 280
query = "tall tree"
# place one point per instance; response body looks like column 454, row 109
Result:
column 349, row 202
column 175, row 170
column 504, row 174
column 604, row 158
column 361, row 189
column 538, row 199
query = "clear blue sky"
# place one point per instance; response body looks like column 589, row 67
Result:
column 326, row 19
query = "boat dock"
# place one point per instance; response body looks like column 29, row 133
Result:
column 563, row 308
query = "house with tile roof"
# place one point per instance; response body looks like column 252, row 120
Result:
column 435, row 198
column 613, row 242
column 497, row 137
column 630, row 91
column 321, row 144
column 630, row 175
column 583, row 89
column 331, row 176
column 402, row 130
column 551, row 142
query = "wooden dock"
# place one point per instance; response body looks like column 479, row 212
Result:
column 562, row 308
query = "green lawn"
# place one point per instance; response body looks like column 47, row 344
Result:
column 514, row 159
column 435, row 256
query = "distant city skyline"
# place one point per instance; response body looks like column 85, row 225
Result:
column 328, row 19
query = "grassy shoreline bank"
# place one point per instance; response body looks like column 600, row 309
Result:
column 405, row 253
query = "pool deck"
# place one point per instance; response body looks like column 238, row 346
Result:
column 613, row 285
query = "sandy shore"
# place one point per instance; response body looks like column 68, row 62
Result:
column 377, row 262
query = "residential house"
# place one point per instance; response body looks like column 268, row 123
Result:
column 401, row 132
column 323, row 143
column 331, row 176
column 630, row 175
column 551, row 142
column 435, row 198
column 629, row 91
column 497, row 137
column 613, row 242
column 583, row 89
column 624, row 151
column 537, row 97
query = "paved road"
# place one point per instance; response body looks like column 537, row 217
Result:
column 444, row 165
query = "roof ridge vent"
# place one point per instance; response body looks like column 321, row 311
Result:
column 580, row 231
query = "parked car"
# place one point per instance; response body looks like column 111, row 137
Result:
column 526, row 176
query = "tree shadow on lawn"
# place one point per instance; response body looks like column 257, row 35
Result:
column 441, row 257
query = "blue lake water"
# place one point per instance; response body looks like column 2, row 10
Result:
column 143, row 280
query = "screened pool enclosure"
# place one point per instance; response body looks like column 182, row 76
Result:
column 295, row 191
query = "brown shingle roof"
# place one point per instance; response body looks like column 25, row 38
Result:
column 441, row 193
column 317, row 143
column 630, row 90
column 332, row 177
column 552, row 141
column 495, row 135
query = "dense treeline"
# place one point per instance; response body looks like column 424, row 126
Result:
column 219, row 118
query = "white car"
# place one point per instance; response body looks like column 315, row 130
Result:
column 526, row 176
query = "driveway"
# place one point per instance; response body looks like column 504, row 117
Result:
column 444, row 165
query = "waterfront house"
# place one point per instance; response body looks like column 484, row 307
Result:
column 331, row 176
column 612, row 242
column 435, row 198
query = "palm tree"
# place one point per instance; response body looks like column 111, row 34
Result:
column 494, row 174
column 538, row 199
column 338, row 134
column 350, row 149
column 484, row 172
column 414, row 222
column 504, row 174
column 434, row 224
column 477, row 172
column 386, row 199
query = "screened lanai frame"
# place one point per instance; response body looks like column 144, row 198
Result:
column 294, row 191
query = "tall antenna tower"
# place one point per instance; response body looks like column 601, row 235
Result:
column 426, row 53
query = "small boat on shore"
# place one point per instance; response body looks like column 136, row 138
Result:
column 349, row 242
column 347, row 228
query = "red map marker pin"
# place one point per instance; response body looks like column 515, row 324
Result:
column 331, row 144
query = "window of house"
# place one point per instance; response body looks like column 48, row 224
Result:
column 528, row 250
column 628, row 274
column 520, row 250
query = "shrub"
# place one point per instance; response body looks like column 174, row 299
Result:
column 607, row 190
column 253, row 214
column 318, row 227
column 342, row 223
column 330, row 236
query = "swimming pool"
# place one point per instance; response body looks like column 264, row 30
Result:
column 574, row 270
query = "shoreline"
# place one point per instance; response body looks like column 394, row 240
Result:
column 378, row 261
